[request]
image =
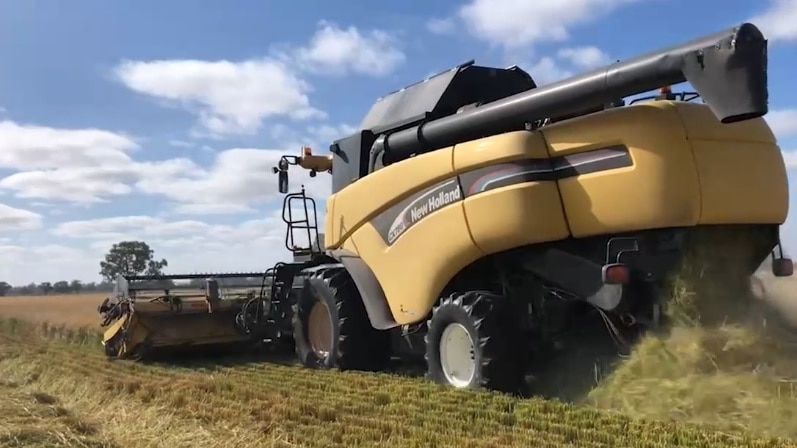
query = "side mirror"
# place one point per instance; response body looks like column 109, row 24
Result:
column 782, row 267
column 283, row 182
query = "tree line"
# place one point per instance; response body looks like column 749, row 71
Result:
column 126, row 257
column 59, row 287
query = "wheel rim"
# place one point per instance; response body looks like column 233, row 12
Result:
column 457, row 355
column 319, row 331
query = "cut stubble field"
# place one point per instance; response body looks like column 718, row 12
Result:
column 61, row 391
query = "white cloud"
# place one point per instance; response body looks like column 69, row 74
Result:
column 77, row 165
column 81, row 165
column 204, row 209
column 783, row 122
column 317, row 137
column 77, row 184
column 777, row 21
column 88, row 166
column 236, row 97
column 790, row 158
column 550, row 69
column 181, row 143
column 228, row 97
column 47, row 262
column 12, row 219
column 584, row 57
column 103, row 232
column 335, row 50
column 441, row 26
column 122, row 226
column 26, row 147
column 547, row 70
column 520, row 23
column 238, row 179
column 324, row 135
column 190, row 246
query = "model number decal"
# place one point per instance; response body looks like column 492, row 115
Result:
column 427, row 202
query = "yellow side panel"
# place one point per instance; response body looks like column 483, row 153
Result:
column 661, row 189
column 331, row 232
column 349, row 245
column 513, row 215
column 418, row 265
column 358, row 202
column 701, row 124
column 499, row 148
column 741, row 183
column 517, row 215
column 743, row 179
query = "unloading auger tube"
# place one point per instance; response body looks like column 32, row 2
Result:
column 728, row 69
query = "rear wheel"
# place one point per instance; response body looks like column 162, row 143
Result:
column 331, row 326
column 457, row 355
column 472, row 342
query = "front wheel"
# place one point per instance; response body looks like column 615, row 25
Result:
column 473, row 342
column 331, row 327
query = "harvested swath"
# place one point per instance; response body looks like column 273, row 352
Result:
column 728, row 359
column 245, row 402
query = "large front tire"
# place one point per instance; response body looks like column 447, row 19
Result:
column 472, row 342
column 331, row 327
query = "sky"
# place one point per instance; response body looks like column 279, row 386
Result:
column 160, row 121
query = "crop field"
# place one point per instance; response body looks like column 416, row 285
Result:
column 693, row 388
column 72, row 310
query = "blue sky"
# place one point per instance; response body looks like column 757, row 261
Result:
column 160, row 120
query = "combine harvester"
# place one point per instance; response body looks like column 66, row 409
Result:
column 475, row 213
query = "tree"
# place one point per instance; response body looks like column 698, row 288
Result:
column 61, row 287
column 4, row 288
column 130, row 258
column 76, row 286
column 46, row 287
column 27, row 290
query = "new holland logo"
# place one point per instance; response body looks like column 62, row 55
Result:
column 429, row 202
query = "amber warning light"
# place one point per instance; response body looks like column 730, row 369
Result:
column 615, row 274
column 307, row 151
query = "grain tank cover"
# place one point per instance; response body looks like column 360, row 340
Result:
column 443, row 94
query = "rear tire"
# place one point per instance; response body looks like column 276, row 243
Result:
column 472, row 342
column 331, row 326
